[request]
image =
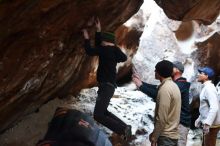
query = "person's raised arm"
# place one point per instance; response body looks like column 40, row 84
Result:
column 149, row 89
column 89, row 50
column 98, row 39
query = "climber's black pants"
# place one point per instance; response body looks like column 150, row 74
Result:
column 102, row 115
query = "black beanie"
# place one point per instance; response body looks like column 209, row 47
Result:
column 164, row 68
column 108, row 37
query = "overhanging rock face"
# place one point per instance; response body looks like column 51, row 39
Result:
column 205, row 11
column 41, row 54
column 209, row 53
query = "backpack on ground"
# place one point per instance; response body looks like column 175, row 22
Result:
column 70, row 127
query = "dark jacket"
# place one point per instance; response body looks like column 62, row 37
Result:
column 109, row 56
column 185, row 116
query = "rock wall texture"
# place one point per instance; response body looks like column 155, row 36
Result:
column 205, row 11
column 209, row 53
column 184, row 31
column 41, row 54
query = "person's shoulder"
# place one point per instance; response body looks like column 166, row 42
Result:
column 169, row 81
column 168, row 84
column 110, row 46
column 181, row 79
column 171, row 85
column 182, row 82
column 115, row 47
column 210, row 86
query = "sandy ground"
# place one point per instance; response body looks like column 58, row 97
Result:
column 133, row 107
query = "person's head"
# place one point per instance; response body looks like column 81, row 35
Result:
column 163, row 69
column 178, row 68
column 205, row 74
column 108, row 38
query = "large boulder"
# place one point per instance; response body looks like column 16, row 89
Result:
column 205, row 11
column 42, row 53
column 209, row 53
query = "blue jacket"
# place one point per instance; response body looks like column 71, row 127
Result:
column 185, row 115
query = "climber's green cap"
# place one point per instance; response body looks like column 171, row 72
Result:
column 108, row 37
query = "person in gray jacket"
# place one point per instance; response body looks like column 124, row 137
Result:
column 209, row 118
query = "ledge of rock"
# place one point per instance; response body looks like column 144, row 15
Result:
column 184, row 31
column 205, row 11
column 41, row 54
column 127, row 39
column 209, row 53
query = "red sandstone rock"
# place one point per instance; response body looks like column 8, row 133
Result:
column 41, row 54
column 205, row 11
column 209, row 53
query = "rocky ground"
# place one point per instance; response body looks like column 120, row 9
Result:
column 132, row 106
